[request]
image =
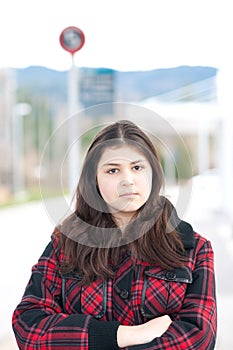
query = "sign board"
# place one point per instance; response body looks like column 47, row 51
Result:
column 97, row 86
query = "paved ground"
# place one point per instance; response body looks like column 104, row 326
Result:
column 25, row 230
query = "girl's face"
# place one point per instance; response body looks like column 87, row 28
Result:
column 124, row 178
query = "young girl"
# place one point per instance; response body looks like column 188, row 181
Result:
column 123, row 271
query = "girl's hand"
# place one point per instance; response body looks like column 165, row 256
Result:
column 143, row 333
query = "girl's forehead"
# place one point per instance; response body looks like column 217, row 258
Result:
column 122, row 153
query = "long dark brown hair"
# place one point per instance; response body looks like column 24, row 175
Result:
column 92, row 242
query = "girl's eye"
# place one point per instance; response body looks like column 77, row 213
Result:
column 138, row 167
column 112, row 171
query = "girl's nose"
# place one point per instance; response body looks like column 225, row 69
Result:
column 126, row 182
column 127, row 179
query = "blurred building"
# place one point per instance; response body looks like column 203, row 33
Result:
column 7, row 101
column 193, row 113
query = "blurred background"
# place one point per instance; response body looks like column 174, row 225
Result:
column 166, row 65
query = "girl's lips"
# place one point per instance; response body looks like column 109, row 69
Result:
column 128, row 194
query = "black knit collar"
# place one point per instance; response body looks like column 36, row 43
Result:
column 185, row 230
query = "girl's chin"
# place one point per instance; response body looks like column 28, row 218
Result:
column 124, row 211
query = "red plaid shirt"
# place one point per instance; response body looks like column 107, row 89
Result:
column 57, row 313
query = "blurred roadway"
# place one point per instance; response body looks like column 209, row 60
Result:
column 26, row 230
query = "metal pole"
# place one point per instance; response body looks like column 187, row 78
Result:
column 73, row 128
column 203, row 145
column 16, row 153
column 19, row 111
column 225, row 77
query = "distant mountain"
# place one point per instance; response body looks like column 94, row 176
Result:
column 129, row 86
column 43, row 81
column 145, row 84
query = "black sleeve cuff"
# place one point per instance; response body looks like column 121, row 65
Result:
column 103, row 335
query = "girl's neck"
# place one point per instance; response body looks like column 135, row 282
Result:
column 122, row 219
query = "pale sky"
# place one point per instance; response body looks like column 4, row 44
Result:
column 121, row 34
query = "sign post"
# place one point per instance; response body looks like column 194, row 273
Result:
column 72, row 40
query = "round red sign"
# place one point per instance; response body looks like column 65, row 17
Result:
column 72, row 39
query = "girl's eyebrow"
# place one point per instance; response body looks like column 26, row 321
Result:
column 117, row 164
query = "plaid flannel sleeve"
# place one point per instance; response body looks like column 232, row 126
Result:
column 40, row 323
column 194, row 328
